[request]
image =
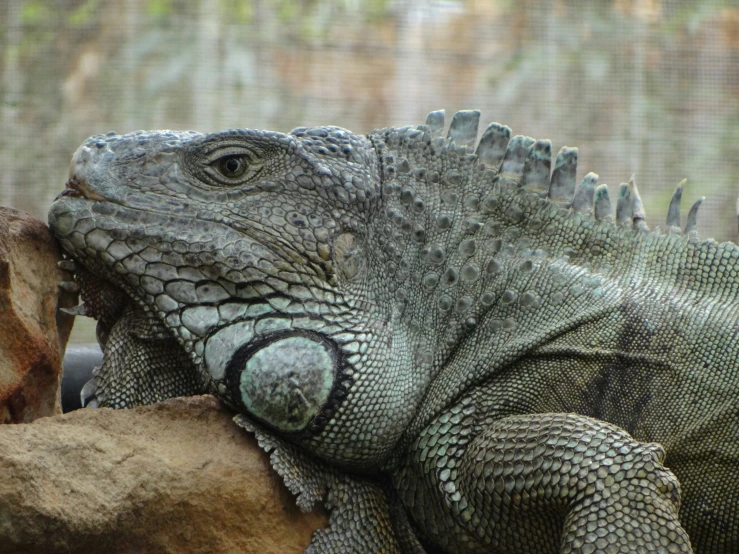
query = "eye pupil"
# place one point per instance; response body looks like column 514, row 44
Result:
column 232, row 165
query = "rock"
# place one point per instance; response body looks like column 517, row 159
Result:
column 178, row 476
column 32, row 333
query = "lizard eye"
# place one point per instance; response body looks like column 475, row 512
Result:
column 231, row 167
column 228, row 164
column 286, row 380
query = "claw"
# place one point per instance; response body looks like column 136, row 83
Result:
column 87, row 395
column 66, row 265
column 70, row 286
column 80, row 309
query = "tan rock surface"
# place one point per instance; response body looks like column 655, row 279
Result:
column 178, row 476
column 32, row 333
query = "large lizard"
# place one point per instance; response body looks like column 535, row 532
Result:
column 457, row 347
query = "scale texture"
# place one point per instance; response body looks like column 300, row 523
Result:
column 449, row 341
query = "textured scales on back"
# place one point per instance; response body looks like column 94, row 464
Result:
column 454, row 344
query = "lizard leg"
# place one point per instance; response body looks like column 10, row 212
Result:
column 615, row 492
column 525, row 480
column 142, row 364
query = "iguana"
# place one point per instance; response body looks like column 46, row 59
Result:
column 454, row 345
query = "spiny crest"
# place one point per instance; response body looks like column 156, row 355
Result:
column 525, row 162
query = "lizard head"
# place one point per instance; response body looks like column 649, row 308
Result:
column 257, row 250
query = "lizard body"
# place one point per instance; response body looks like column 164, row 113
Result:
column 458, row 347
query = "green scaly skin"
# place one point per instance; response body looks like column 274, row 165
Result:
column 457, row 347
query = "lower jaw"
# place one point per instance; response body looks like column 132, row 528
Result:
column 142, row 362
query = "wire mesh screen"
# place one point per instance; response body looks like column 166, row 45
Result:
column 646, row 87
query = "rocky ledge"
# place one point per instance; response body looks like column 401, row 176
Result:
column 178, row 476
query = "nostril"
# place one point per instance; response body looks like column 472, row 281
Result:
column 71, row 188
column 79, row 188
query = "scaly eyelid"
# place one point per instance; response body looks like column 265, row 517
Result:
column 224, row 152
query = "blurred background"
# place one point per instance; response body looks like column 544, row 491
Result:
column 643, row 86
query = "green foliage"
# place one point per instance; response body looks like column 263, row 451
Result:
column 315, row 21
column 377, row 10
column 237, row 11
column 84, row 14
column 34, row 12
column 159, row 8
